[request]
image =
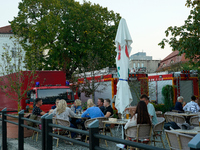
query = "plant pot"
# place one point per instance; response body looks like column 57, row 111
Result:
column 12, row 129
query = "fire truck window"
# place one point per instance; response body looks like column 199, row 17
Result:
column 49, row 96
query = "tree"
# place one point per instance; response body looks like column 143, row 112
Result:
column 186, row 38
column 12, row 75
column 67, row 31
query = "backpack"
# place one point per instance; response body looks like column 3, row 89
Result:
column 172, row 125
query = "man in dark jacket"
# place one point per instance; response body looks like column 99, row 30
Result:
column 178, row 105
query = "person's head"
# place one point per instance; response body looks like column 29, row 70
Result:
column 193, row 98
column 57, row 101
column 100, row 102
column 77, row 102
column 90, row 103
column 61, row 106
column 180, row 99
column 38, row 102
column 106, row 102
column 142, row 113
column 144, row 98
column 196, row 101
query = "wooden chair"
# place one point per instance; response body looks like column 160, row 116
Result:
column 177, row 140
column 140, row 133
column 179, row 119
column 158, row 130
column 38, row 127
column 194, row 121
column 59, row 131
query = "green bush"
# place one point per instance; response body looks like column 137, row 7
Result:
column 167, row 92
column 159, row 107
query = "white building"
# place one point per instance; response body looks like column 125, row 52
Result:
column 8, row 42
column 141, row 62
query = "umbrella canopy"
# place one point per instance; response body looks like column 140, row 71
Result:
column 123, row 41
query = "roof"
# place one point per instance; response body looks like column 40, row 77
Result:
column 6, row 30
column 172, row 59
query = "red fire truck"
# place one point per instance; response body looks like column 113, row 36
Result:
column 138, row 83
column 184, row 84
column 48, row 86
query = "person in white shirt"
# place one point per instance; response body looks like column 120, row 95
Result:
column 192, row 106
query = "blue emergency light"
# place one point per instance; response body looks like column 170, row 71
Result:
column 67, row 83
column 37, row 84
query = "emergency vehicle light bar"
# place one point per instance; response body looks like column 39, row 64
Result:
column 185, row 71
column 133, row 75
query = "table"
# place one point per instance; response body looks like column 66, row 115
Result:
column 119, row 122
column 184, row 114
column 196, row 130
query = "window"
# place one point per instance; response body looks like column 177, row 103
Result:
column 138, row 65
column 142, row 65
column 134, row 66
column 163, row 65
column 172, row 61
column 14, row 52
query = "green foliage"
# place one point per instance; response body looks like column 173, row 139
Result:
column 12, row 76
column 167, row 92
column 159, row 107
column 186, row 38
column 67, row 31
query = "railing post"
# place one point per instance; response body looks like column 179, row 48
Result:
column 93, row 129
column 194, row 144
column 48, row 138
column 43, row 130
column 4, row 129
column 21, row 131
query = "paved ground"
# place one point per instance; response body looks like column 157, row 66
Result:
column 33, row 145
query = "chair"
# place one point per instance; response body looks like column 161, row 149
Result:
column 38, row 127
column 139, row 133
column 194, row 121
column 158, row 130
column 159, row 113
column 59, row 131
column 87, row 122
column 179, row 119
column 168, row 117
column 177, row 140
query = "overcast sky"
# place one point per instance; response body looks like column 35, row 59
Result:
column 147, row 20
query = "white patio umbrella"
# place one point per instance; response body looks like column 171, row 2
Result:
column 123, row 41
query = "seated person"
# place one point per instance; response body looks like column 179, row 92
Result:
column 56, row 104
column 192, row 106
column 108, row 111
column 36, row 109
column 64, row 112
column 92, row 111
column 77, row 106
column 100, row 104
column 140, row 116
column 178, row 105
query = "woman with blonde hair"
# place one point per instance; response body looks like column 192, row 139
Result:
column 63, row 112
column 77, row 106
column 92, row 111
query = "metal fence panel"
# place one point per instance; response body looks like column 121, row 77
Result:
column 160, row 85
column 186, row 89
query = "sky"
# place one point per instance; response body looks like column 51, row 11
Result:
column 147, row 20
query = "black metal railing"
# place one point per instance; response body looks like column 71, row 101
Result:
column 47, row 133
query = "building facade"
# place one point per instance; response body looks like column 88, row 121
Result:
column 143, row 63
column 10, row 44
